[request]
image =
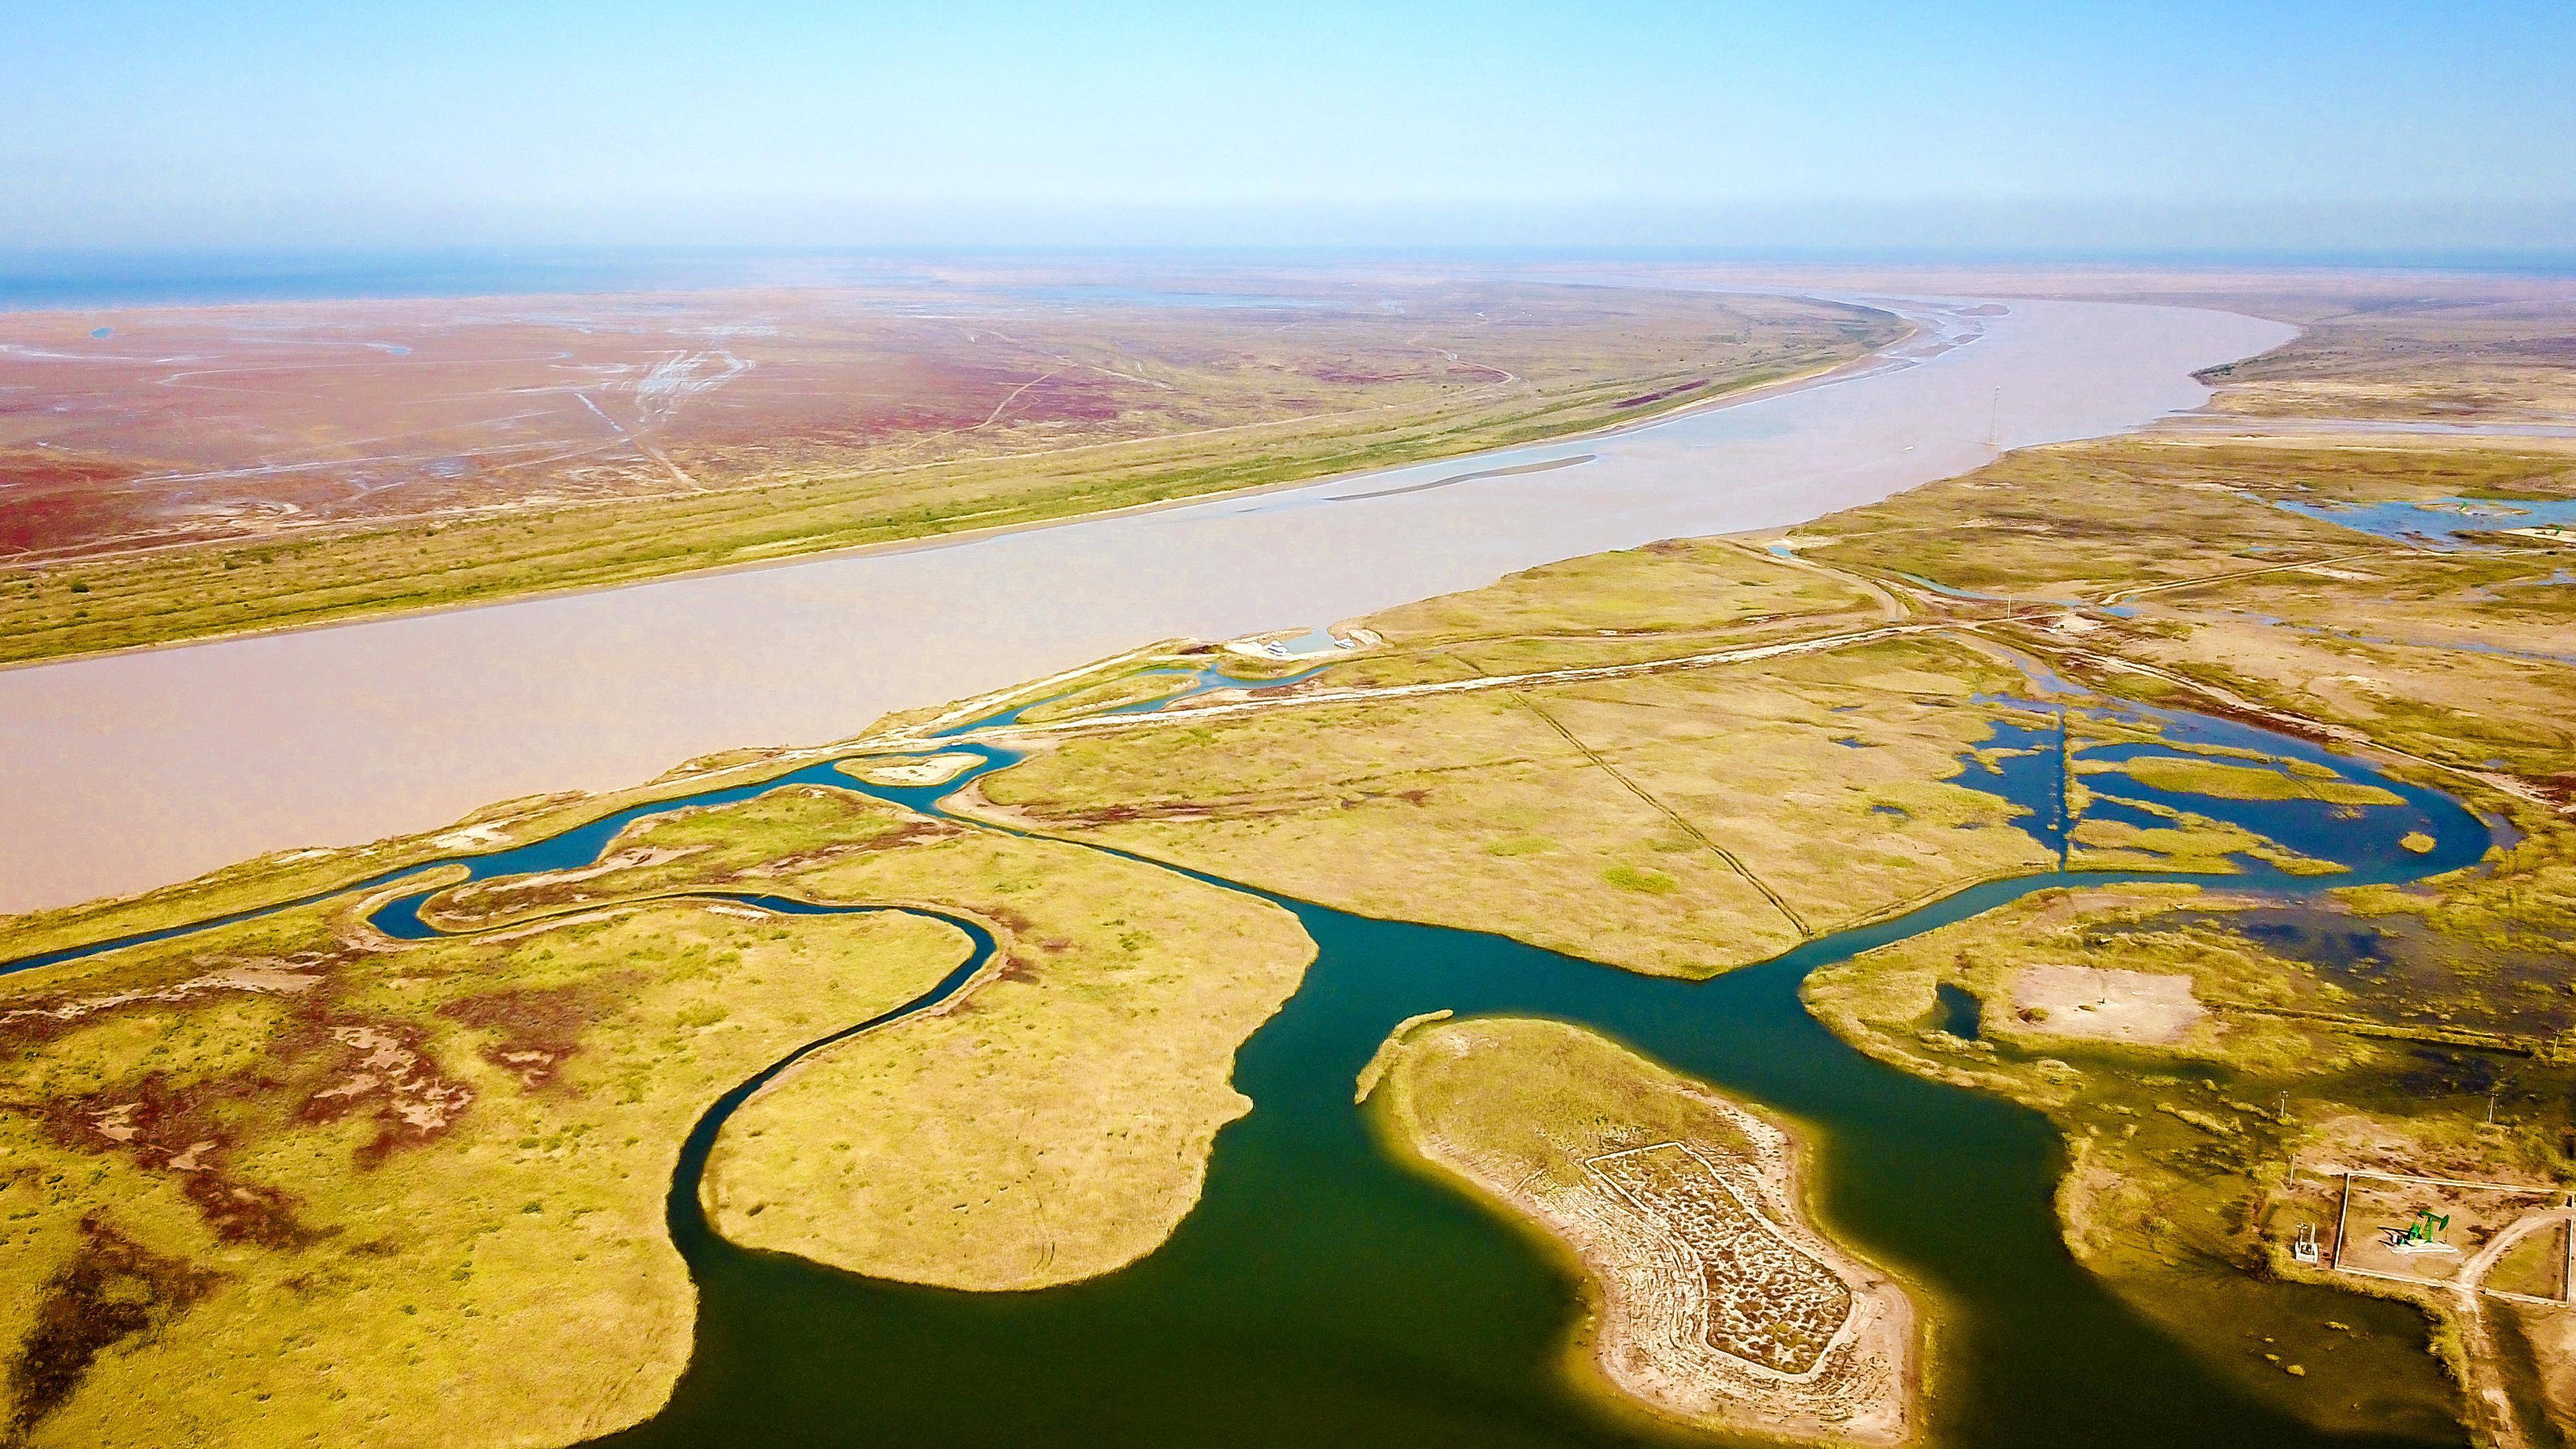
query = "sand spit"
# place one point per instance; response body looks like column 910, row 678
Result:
column 936, row 770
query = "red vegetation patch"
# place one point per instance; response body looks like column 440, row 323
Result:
column 1008, row 919
column 37, row 470
column 384, row 1067
column 536, row 1029
column 1658, row 395
column 47, row 1017
column 113, row 1290
column 176, row 1130
column 323, row 1064
column 47, row 494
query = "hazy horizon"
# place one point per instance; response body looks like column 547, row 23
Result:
column 117, row 278
column 2278, row 129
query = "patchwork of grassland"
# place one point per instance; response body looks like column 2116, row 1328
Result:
column 2161, row 567
column 1053, row 1125
column 290, row 1183
column 1677, row 597
column 2176, row 554
column 1678, row 823
column 289, row 1180
column 1718, row 1303
column 721, row 429
column 2408, row 1031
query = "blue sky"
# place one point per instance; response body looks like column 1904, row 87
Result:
column 2302, row 127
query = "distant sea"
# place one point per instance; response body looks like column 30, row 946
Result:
column 160, row 279
column 85, row 280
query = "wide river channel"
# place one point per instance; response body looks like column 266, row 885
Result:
column 132, row 771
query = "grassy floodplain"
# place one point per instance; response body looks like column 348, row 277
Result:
column 2158, row 568
column 1677, row 759
column 334, row 1186
column 2374, row 1030
column 1678, row 823
column 287, row 1186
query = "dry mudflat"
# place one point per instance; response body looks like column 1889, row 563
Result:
column 167, row 426
column 2107, row 1004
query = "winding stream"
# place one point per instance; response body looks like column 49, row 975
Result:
column 1320, row 1293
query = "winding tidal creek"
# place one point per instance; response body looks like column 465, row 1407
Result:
column 1321, row 1293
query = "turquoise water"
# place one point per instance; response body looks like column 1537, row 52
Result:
column 1321, row 1294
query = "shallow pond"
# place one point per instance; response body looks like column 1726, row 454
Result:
column 2444, row 524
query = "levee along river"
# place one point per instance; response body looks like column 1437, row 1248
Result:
column 136, row 770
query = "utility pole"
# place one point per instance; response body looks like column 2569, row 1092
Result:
column 2065, row 792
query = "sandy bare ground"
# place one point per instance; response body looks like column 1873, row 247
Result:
column 1721, row 1305
column 2104, row 1005
column 936, row 770
column 132, row 771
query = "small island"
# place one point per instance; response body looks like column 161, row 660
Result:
column 1715, row 1301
